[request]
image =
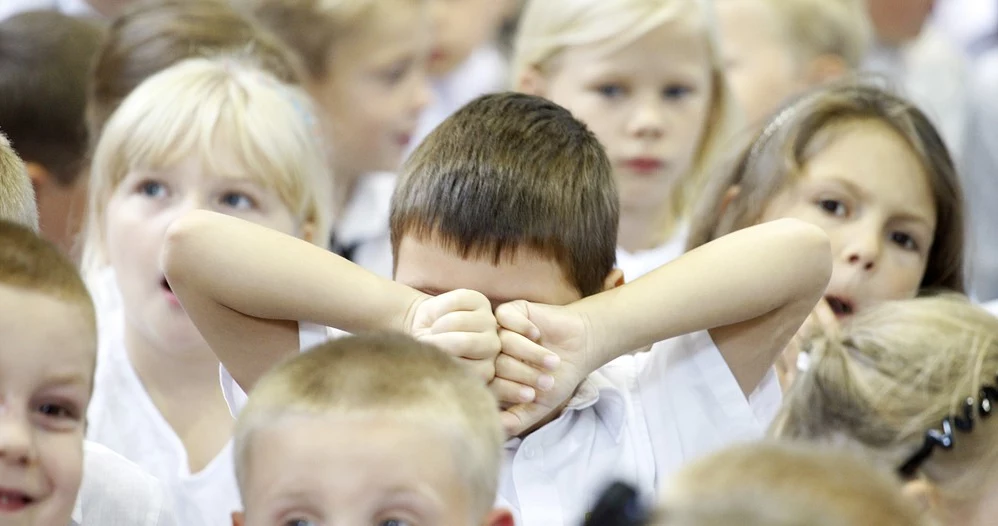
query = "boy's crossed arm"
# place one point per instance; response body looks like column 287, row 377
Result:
column 751, row 289
column 246, row 287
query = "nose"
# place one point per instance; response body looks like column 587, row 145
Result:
column 648, row 121
column 16, row 446
column 863, row 250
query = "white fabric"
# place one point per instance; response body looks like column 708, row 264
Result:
column 9, row 8
column 992, row 307
column 116, row 492
column 123, row 417
column 966, row 22
column 364, row 224
column 933, row 74
column 980, row 180
column 640, row 263
column 636, row 420
column 309, row 335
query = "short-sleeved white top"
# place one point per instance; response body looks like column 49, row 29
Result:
column 123, row 417
column 116, row 492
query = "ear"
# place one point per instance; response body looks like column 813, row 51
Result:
column 39, row 175
column 532, row 82
column 729, row 196
column 499, row 518
column 923, row 493
column 824, row 69
column 238, row 518
column 614, row 279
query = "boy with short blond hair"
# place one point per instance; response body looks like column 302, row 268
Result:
column 775, row 49
column 429, row 429
column 544, row 183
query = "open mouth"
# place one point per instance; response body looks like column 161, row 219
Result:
column 840, row 306
column 166, row 285
column 11, row 500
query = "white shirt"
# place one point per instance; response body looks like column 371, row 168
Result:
column 9, row 8
column 637, row 420
column 992, row 307
column 363, row 229
column 115, row 492
column 637, row 264
column 933, row 74
column 123, row 417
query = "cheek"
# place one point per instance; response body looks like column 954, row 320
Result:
column 61, row 457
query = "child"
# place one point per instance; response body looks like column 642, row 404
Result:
column 910, row 383
column 47, row 375
column 514, row 198
column 373, row 429
column 868, row 168
column 773, row 484
column 646, row 77
column 365, row 64
column 44, row 78
column 219, row 134
column 775, row 49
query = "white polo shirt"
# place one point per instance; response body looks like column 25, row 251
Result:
column 116, row 492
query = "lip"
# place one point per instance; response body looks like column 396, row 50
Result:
column 13, row 501
column 842, row 305
column 403, row 139
column 644, row 165
column 437, row 55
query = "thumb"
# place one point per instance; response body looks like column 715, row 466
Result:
column 515, row 316
column 519, row 418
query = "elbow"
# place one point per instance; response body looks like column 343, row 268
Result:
column 812, row 256
column 180, row 244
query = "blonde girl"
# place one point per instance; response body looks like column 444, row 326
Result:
column 910, row 384
column 217, row 134
column 646, row 77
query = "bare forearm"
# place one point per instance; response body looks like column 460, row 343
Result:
column 737, row 278
column 269, row 275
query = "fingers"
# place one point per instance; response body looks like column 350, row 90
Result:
column 511, row 393
column 520, row 418
column 529, row 352
column 468, row 345
column 464, row 321
column 515, row 316
column 509, row 368
column 454, row 301
column 825, row 317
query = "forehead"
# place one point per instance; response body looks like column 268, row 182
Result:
column 748, row 21
column 354, row 459
column 390, row 27
column 677, row 45
column 877, row 160
column 44, row 336
column 435, row 268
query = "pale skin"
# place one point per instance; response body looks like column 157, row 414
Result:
column 358, row 470
column 209, row 258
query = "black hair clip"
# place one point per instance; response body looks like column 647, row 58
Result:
column 619, row 505
column 944, row 437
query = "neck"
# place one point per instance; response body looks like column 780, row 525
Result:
column 344, row 186
column 187, row 373
column 645, row 229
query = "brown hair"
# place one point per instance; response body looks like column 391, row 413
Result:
column 775, row 157
column 312, row 27
column 512, row 170
column 17, row 196
column 29, row 262
column 893, row 373
column 155, row 34
column 785, row 484
column 389, row 375
column 44, row 77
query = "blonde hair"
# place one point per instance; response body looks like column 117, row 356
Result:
column 776, row 155
column 894, row 373
column 312, row 28
column 785, row 484
column 548, row 27
column 184, row 110
column 389, row 375
column 17, row 196
column 825, row 27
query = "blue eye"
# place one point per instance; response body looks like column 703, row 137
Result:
column 299, row 522
column 610, row 91
column 153, row 189
column 393, row 522
column 56, row 411
column 676, row 91
column 238, row 201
